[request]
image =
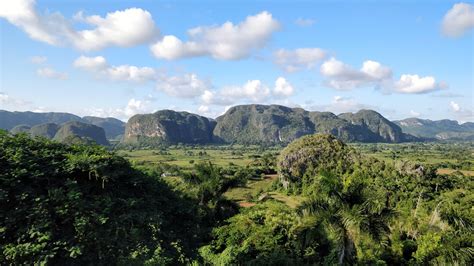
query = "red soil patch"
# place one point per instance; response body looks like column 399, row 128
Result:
column 246, row 204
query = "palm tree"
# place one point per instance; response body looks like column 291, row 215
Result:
column 351, row 210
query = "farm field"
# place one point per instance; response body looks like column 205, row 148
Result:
column 448, row 157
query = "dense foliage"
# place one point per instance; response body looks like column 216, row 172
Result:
column 77, row 204
column 358, row 211
column 81, row 205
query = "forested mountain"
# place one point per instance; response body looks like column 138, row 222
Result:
column 113, row 127
column 441, row 129
column 78, row 132
column 249, row 124
column 168, row 126
column 280, row 124
column 9, row 120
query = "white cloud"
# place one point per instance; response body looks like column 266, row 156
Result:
column 455, row 106
column 125, row 28
column 343, row 77
column 203, row 109
column 337, row 105
column 301, row 58
column 9, row 101
column 47, row 72
column 91, row 63
column 131, row 73
column 283, row 88
column 99, row 66
column 460, row 113
column 414, row 114
column 185, row 86
column 416, row 84
column 38, row 59
column 304, row 22
column 224, row 42
column 133, row 107
column 252, row 91
column 458, row 20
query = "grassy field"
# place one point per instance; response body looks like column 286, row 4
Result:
column 185, row 158
column 448, row 157
column 248, row 195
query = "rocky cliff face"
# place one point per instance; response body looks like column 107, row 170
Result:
column 168, row 126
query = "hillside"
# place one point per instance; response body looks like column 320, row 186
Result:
column 168, row 126
column 9, row 120
column 47, row 130
column 440, row 129
column 254, row 124
column 78, row 132
column 113, row 127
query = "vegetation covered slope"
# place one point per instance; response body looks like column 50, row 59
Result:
column 82, row 205
column 383, row 129
column 113, row 127
column 441, row 129
column 20, row 129
column 253, row 124
column 78, row 132
column 358, row 211
column 168, row 126
column 9, row 120
column 47, row 130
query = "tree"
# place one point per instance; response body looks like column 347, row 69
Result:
column 353, row 214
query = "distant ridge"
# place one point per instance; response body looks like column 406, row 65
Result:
column 113, row 127
column 246, row 124
column 439, row 130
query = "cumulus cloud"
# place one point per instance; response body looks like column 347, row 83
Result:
column 414, row 113
column 187, row 85
column 338, row 104
column 47, row 72
column 342, row 76
column 133, row 107
column 124, row 28
column 416, row 84
column 99, row 66
column 38, row 59
column 298, row 59
column 304, row 22
column 458, row 20
column 91, row 63
column 454, row 106
column 9, row 101
column 184, row 86
column 251, row 91
column 283, row 88
column 224, row 42
column 460, row 113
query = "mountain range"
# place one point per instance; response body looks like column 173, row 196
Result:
column 243, row 124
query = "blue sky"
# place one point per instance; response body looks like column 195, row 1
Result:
column 118, row 58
